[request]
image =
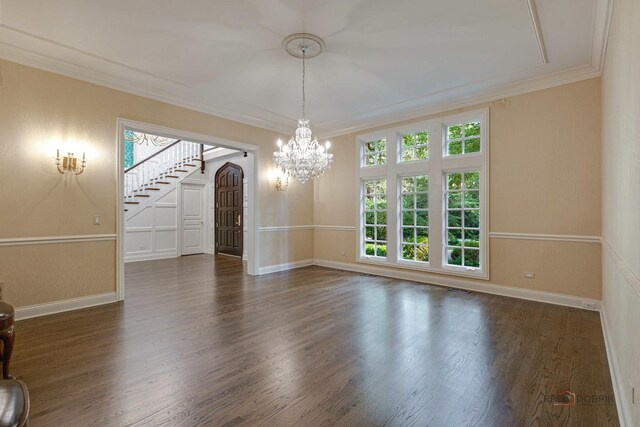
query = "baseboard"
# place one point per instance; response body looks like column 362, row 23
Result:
column 150, row 256
column 286, row 266
column 64, row 305
column 623, row 412
column 461, row 283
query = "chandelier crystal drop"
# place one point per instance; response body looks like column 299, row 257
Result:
column 303, row 157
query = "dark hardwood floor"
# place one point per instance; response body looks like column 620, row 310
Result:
column 199, row 343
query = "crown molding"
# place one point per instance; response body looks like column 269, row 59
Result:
column 601, row 23
column 29, row 49
column 546, row 81
column 91, row 71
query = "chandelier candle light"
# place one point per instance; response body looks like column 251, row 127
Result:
column 303, row 158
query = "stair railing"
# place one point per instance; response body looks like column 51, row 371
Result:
column 160, row 165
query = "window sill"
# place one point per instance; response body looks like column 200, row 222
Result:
column 462, row 272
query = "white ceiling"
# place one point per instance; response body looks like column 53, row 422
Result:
column 384, row 59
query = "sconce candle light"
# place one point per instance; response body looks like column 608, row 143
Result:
column 70, row 163
column 282, row 186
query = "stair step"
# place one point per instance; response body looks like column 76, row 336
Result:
column 172, row 176
column 151, row 189
column 189, row 164
column 162, row 182
column 131, row 203
column 141, row 195
column 181, row 170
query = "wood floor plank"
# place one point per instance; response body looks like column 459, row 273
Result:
column 198, row 342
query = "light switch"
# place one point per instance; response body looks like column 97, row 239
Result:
column 96, row 220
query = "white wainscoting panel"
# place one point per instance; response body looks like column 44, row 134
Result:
column 152, row 232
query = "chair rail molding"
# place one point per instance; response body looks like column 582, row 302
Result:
column 286, row 228
column 307, row 227
column 549, row 237
column 47, row 240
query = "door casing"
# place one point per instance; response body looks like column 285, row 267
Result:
column 251, row 171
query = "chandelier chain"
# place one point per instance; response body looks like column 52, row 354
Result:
column 304, row 99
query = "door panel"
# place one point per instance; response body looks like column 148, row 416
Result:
column 192, row 219
column 229, row 210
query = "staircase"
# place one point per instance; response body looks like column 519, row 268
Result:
column 154, row 176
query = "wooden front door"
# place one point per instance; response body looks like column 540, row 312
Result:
column 229, row 210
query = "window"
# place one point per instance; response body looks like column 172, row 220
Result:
column 463, row 138
column 415, row 146
column 375, row 152
column 415, row 218
column 128, row 149
column 423, row 191
column 375, row 217
column 463, row 218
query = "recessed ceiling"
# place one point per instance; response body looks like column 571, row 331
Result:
column 384, row 60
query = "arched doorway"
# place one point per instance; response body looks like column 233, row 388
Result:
column 228, row 210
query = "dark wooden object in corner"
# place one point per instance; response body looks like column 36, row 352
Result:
column 7, row 335
column 14, row 404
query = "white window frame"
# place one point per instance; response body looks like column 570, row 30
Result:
column 363, row 154
column 436, row 166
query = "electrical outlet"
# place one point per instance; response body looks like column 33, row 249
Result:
column 529, row 275
column 589, row 305
column 342, row 253
column 96, row 220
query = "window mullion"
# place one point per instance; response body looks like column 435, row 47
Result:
column 435, row 197
column 393, row 207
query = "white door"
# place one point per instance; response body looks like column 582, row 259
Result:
column 192, row 219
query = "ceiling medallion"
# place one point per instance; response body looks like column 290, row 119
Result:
column 303, row 158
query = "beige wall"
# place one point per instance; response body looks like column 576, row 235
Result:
column 42, row 111
column 544, row 179
column 621, row 200
column 551, row 188
column 282, row 247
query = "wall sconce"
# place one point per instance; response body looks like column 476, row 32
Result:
column 280, row 186
column 70, row 164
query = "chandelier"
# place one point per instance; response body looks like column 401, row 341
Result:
column 303, row 158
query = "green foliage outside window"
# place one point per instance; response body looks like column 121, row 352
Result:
column 463, row 218
column 375, row 152
column 128, row 149
column 415, row 146
column 463, row 139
